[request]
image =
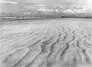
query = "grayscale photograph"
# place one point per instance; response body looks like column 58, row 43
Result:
column 45, row 33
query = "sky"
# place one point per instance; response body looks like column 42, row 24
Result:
column 15, row 4
column 51, row 2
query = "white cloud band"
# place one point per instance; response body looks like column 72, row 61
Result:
column 8, row 2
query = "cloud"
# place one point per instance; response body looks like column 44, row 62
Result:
column 65, row 2
column 21, row 4
column 8, row 2
column 48, row 2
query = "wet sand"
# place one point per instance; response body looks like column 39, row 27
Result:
column 46, row 43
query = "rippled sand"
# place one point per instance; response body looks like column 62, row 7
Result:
column 52, row 43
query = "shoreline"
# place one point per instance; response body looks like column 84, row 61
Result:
column 43, row 21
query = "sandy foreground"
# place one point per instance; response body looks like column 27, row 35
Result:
column 46, row 43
